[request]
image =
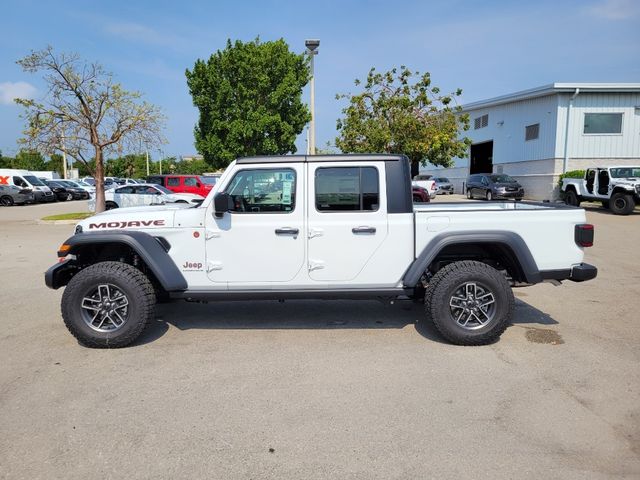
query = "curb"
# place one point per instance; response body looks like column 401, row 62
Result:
column 56, row 222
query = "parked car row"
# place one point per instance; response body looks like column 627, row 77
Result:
column 142, row 194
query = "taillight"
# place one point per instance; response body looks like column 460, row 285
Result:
column 433, row 186
column 584, row 235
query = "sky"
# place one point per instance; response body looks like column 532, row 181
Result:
column 487, row 48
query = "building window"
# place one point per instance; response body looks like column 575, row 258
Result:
column 602, row 123
column 481, row 122
column 347, row 189
column 532, row 132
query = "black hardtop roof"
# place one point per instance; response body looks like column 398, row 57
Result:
column 347, row 157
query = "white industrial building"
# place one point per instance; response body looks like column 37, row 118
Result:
column 537, row 134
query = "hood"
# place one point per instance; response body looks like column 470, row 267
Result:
column 133, row 218
column 185, row 196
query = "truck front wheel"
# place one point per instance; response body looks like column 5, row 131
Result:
column 469, row 302
column 622, row 203
column 108, row 304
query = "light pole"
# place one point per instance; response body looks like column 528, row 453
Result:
column 312, row 50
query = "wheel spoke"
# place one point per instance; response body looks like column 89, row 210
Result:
column 103, row 292
column 90, row 304
column 112, row 316
column 486, row 299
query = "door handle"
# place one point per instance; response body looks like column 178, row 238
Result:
column 359, row 230
column 287, row 231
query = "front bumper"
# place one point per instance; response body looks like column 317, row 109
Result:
column 44, row 196
column 59, row 275
column 517, row 195
column 578, row 273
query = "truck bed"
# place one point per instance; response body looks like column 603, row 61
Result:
column 549, row 228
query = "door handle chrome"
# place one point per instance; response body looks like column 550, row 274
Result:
column 359, row 230
column 287, row 231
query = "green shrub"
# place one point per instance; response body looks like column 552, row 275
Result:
column 571, row 174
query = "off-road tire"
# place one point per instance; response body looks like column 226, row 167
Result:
column 132, row 283
column 622, row 203
column 6, row 201
column 443, row 286
column 110, row 205
column 571, row 198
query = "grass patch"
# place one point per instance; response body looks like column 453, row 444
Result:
column 69, row 216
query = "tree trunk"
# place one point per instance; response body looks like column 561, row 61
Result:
column 99, row 181
column 415, row 168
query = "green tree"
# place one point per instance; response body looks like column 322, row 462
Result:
column 54, row 164
column 28, row 160
column 249, row 99
column 85, row 112
column 401, row 112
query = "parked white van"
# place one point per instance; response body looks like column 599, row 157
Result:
column 26, row 179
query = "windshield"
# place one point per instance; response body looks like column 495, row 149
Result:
column 33, row 181
column 163, row 190
column 502, row 178
column 209, row 180
column 90, row 181
column 625, row 172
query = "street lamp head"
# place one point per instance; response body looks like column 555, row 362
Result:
column 312, row 45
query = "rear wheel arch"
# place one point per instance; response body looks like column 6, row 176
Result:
column 501, row 250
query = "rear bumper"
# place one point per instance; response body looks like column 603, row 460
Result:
column 577, row 273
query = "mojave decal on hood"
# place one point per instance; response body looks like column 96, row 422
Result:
column 134, row 217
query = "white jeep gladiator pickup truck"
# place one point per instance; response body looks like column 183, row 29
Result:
column 335, row 226
column 618, row 188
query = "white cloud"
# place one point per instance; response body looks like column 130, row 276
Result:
column 615, row 9
column 11, row 90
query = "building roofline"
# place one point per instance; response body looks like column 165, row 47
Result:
column 552, row 89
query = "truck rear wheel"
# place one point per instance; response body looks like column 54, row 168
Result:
column 622, row 203
column 469, row 302
column 108, row 304
column 570, row 198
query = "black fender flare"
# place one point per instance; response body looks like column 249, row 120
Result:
column 153, row 251
column 491, row 237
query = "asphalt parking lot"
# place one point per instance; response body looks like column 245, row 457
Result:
column 312, row 389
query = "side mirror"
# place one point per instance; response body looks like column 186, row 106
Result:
column 222, row 203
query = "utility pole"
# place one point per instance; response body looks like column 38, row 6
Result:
column 147, row 162
column 64, row 157
column 312, row 50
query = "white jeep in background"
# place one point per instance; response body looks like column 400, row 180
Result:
column 618, row 188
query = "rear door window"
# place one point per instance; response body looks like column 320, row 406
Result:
column 339, row 189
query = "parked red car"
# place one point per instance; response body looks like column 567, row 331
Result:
column 420, row 195
column 198, row 184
